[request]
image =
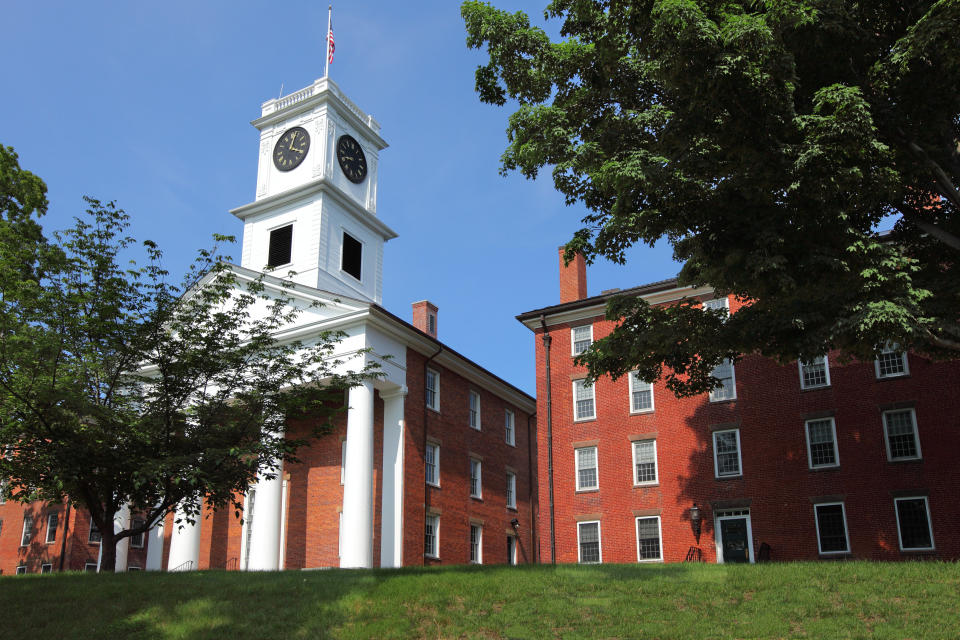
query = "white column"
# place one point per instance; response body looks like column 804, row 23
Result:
column 154, row 539
column 121, row 520
column 357, row 548
column 185, row 544
column 265, row 525
column 391, row 519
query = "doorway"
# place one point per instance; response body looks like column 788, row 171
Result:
column 734, row 536
column 511, row 550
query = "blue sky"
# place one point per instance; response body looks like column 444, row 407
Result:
column 149, row 104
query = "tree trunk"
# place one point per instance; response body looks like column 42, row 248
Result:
column 108, row 549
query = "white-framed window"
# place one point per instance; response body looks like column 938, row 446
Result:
column 815, row 373
column 280, row 247
column 27, row 530
column 433, row 390
column 511, row 490
column 431, row 464
column 343, row 459
column 21, row 570
column 52, row 521
column 581, row 338
column 475, row 410
column 133, row 568
column 641, row 394
column 718, row 304
column 587, row 476
column 476, row 544
column 508, row 428
column 46, row 567
column 90, row 567
column 726, row 453
column 822, row 443
column 583, row 404
column 476, row 484
column 588, row 543
column 648, row 539
column 831, row 518
column 137, row 539
column 645, row 462
column 431, row 536
column 3, row 492
column 913, row 523
column 728, row 382
column 891, row 363
column 94, row 536
column 900, row 431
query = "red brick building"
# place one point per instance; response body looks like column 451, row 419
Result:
column 784, row 462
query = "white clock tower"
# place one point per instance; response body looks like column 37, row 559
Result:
column 315, row 212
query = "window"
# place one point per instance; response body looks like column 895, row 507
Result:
column 432, row 324
column 508, row 420
column 815, row 373
column 431, row 536
column 475, row 410
column 718, row 304
column 913, row 523
column 46, row 567
column 21, row 570
column 726, row 453
column 583, row 408
column 343, row 458
column 648, row 539
column 891, row 363
column 281, row 243
column 248, row 513
column 588, row 542
column 3, row 492
column 476, row 546
column 90, row 566
column 645, row 462
column 831, row 528
column 94, row 536
column 433, row 390
column 133, row 568
column 822, row 443
column 900, row 428
column 52, row 521
column 27, row 530
column 511, row 490
column 351, row 258
column 581, row 338
column 476, row 489
column 728, row 383
column 587, row 468
column 641, row 394
column 431, row 464
column 137, row 539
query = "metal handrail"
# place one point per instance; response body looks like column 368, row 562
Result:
column 184, row 566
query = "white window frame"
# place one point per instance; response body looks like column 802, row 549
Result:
column 916, row 435
column 599, row 542
column 49, row 517
column 363, row 250
column 511, row 490
column 474, row 410
column 436, row 390
column 846, row 530
column 896, row 514
column 716, row 461
column 143, row 536
column 826, row 371
column 476, row 465
column 510, row 427
column 573, row 339
column 91, row 566
column 596, row 457
column 289, row 223
column 593, row 401
column 343, row 459
column 93, row 529
column 476, row 557
column 892, row 348
column 636, row 532
column 46, row 567
column 3, row 491
column 436, row 465
column 715, row 393
column 836, row 448
column 21, row 570
column 435, row 526
column 633, row 382
column 718, row 303
column 26, row 534
column 656, row 465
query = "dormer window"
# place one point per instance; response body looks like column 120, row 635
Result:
column 281, row 244
column 351, row 257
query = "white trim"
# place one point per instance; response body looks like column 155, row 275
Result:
column 46, row 567
column 716, row 465
column 916, row 435
column 599, row 542
column 656, row 465
column 732, row 387
column 22, row 570
column 436, row 465
column 836, row 447
column 573, row 339
column 576, row 467
column 143, row 536
column 846, row 532
column 510, row 427
column 479, row 554
column 87, row 566
column 25, row 538
column 512, row 553
column 344, row 232
column 718, row 537
column 471, row 412
column 892, row 348
column 436, row 390
column 436, row 535
column 896, row 514
column 343, row 458
column 511, row 490
column 593, row 401
column 479, row 492
column 717, row 304
column 636, row 533
column 47, row 538
column 826, row 370
column 269, row 232
column 632, row 381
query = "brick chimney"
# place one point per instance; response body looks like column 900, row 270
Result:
column 425, row 317
column 573, row 279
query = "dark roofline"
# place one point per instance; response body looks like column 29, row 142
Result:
column 653, row 287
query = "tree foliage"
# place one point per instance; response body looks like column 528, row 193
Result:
column 767, row 141
column 118, row 387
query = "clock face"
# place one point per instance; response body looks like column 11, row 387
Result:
column 291, row 149
column 351, row 158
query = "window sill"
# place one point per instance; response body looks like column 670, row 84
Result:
column 579, row 420
column 645, row 485
column 432, row 485
column 434, row 409
column 832, row 467
column 513, row 508
column 903, row 460
column 650, row 561
column 430, row 557
column 643, row 412
column 477, row 498
column 834, row 555
column 899, row 376
column 919, row 552
column 594, row 490
column 725, row 401
column 817, row 388
column 722, row 478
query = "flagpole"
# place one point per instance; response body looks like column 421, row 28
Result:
column 326, row 69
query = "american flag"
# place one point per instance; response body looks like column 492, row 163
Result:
column 330, row 46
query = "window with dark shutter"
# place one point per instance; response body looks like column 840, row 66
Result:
column 281, row 241
column 352, row 255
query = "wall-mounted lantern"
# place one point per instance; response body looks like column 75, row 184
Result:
column 515, row 524
column 695, row 521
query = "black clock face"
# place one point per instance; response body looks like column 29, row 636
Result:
column 291, row 149
column 351, row 158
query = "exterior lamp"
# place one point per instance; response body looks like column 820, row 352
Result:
column 515, row 524
column 695, row 521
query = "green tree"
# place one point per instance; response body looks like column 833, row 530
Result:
column 767, row 141
column 120, row 388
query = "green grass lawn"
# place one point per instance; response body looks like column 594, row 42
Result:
column 804, row 600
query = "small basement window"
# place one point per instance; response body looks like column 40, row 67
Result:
column 351, row 257
column 281, row 243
